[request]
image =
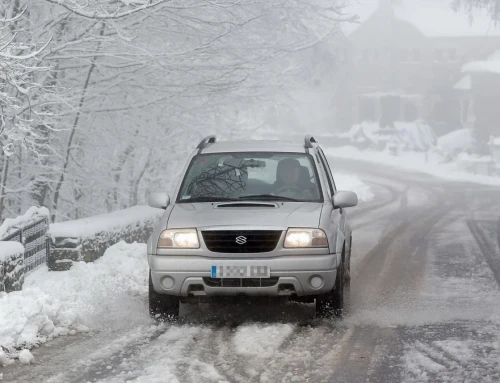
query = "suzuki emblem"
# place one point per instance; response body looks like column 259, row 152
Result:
column 241, row 240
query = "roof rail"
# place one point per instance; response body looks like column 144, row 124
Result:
column 207, row 140
column 309, row 141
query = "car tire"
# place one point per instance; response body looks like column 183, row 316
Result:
column 162, row 307
column 332, row 304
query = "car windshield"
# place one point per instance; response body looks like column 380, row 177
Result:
column 251, row 176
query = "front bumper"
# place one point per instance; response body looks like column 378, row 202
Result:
column 190, row 275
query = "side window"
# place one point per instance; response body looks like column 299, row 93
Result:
column 328, row 170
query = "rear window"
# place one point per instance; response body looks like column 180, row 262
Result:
column 251, row 176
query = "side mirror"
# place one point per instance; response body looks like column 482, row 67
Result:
column 343, row 199
column 159, row 200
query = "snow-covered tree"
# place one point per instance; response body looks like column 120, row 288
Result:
column 25, row 102
column 492, row 6
column 139, row 81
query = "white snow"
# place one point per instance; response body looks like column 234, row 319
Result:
column 260, row 341
column 4, row 360
column 416, row 135
column 88, row 296
column 115, row 221
column 32, row 214
column 9, row 249
column 457, row 141
column 353, row 183
column 26, row 357
column 490, row 65
column 424, row 162
column 487, row 66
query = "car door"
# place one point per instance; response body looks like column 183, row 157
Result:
column 337, row 216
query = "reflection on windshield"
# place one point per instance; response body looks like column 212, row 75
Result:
column 226, row 177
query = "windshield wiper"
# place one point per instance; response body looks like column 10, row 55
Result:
column 208, row 199
column 268, row 197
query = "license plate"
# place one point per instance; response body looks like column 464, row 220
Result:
column 233, row 271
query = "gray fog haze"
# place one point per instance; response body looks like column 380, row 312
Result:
column 102, row 103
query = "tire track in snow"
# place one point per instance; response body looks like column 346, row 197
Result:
column 168, row 357
column 492, row 258
column 94, row 365
column 309, row 355
column 458, row 354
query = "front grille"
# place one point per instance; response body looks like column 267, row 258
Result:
column 241, row 241
column 241, row 282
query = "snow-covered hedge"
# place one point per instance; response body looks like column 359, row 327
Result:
column 11, row 266
column 32, row 215
column 87, row 239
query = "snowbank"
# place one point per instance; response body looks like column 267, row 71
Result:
column 115, row 221
column 12, row 224
column 89, row 296
column 416, row 135
column 457, row 141
column 87, row 239
column 9, row 250
column 429, row 163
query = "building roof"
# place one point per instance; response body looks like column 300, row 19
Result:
column 490, row 65
column 433, row 18
column 255, row 146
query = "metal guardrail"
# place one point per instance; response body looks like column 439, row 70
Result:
column 35, row 241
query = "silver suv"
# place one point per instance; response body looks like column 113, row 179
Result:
column 254, row 218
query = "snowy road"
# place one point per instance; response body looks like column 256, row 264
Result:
column 424, row 307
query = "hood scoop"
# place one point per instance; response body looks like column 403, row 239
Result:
column 245, row 204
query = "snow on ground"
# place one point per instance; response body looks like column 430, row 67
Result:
column 88, row 296
column 457, row 141
column 429, row 163
column 353, row 183
column 260, row 341
column 26, row 357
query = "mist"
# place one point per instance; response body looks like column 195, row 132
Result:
column 105, row 104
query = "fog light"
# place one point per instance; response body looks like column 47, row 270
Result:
column 168, row 283
column 316, row 282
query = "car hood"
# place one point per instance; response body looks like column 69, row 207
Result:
column 282, row 215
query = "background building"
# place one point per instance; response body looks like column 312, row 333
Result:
column 402, row 61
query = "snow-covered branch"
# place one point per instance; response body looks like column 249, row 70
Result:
column 98, row 11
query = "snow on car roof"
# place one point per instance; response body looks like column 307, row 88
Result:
column 433, row 18
column 255, row 146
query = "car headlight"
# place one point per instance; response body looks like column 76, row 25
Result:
column 179, row 238
column 300, row 238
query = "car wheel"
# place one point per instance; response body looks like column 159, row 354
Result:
column 162, row 307
column 332, row 304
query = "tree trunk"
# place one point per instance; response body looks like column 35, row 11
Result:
column 73, row 129
column 135, row 189
column 3, row 183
